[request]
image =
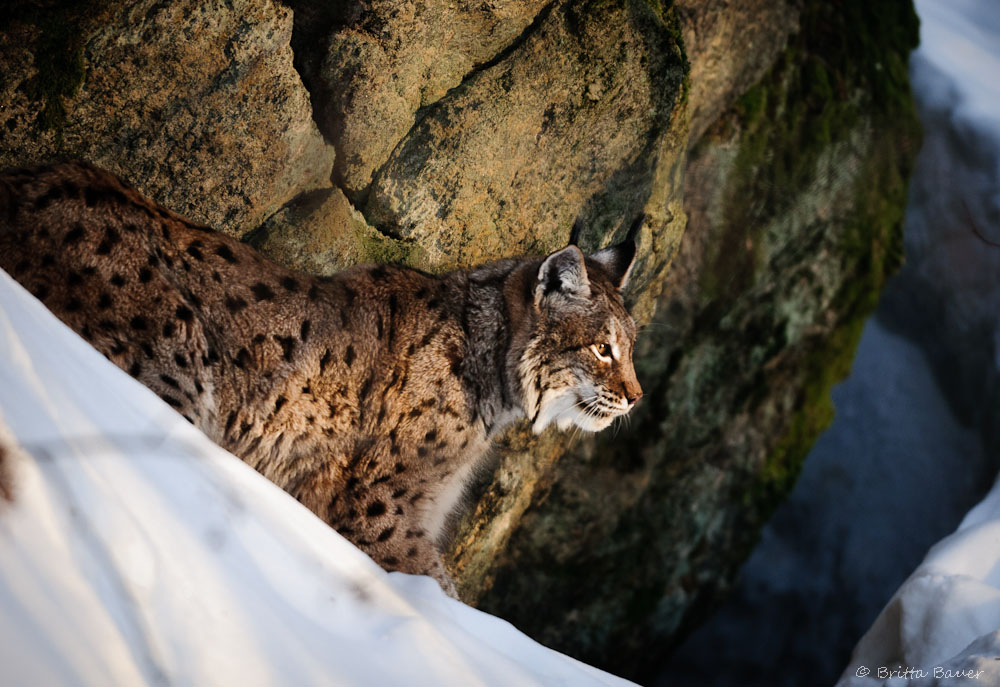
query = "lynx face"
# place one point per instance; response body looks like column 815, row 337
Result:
column 577, row 369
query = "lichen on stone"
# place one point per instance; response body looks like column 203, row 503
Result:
column 795, row 198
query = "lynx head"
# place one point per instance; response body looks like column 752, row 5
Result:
column 577, row 367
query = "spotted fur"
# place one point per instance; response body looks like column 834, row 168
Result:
column 371, row 395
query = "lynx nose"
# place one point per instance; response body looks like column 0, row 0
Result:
column 633, row 392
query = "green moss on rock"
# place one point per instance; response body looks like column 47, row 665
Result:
column 384, row 249
column 796, row 200
column 871, row 244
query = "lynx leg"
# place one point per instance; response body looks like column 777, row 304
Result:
column 418, row 556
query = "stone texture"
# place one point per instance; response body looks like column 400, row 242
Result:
column 320, row 232
column 730, row 44
column 625, row 538
column 570, row 124
column 393, row 57
column 795, row 198
column 196, row 103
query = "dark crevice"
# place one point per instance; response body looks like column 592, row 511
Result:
column 313, row 22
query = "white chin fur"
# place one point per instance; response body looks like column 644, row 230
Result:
column 565, row 411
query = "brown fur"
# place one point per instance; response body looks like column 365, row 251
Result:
column 369, row 396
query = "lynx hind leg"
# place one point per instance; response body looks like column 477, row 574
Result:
column 415, row 555
column 364, row 519
column 440, row 573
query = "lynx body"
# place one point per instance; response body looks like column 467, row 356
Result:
column 370, row 396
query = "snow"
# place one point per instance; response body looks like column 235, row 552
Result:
column 136, row 551
column 956, row 66
column 946, row 616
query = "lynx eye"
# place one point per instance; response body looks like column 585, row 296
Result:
column 602, row 351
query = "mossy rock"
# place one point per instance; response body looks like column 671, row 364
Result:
column 320, row 232
column 795, row 198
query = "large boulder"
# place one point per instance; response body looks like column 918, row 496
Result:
column 572, row 123
column 386, row 59
column 195, row 103
column 731, row 45
column 320, row 232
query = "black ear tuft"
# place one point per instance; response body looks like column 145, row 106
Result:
column 617, row 260
column 574, row 233
column 633, row 231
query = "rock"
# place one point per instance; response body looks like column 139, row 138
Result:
column 730, row 45
column 320, row 232
column 197, row 104
column 395, row 57
column 795, row 198
column 571, row 123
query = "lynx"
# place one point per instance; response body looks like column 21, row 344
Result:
column 370, row 396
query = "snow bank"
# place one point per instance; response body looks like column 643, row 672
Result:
column 945, row 617
column 136, row 551
column 955, row 200
column 956, row 67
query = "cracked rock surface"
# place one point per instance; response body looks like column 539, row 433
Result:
column 395, row 58
column 507, row 161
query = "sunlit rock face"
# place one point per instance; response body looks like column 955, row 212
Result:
column 570, row 123
column 384, row 60
column 444, row 134
column 195, row 103
column 794, row 198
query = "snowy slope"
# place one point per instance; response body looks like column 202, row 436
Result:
column 138, row 552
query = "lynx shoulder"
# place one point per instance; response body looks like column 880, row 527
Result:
column 370, row 396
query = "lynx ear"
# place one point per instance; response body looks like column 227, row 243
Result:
column 562, row 274
column 617, row 260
